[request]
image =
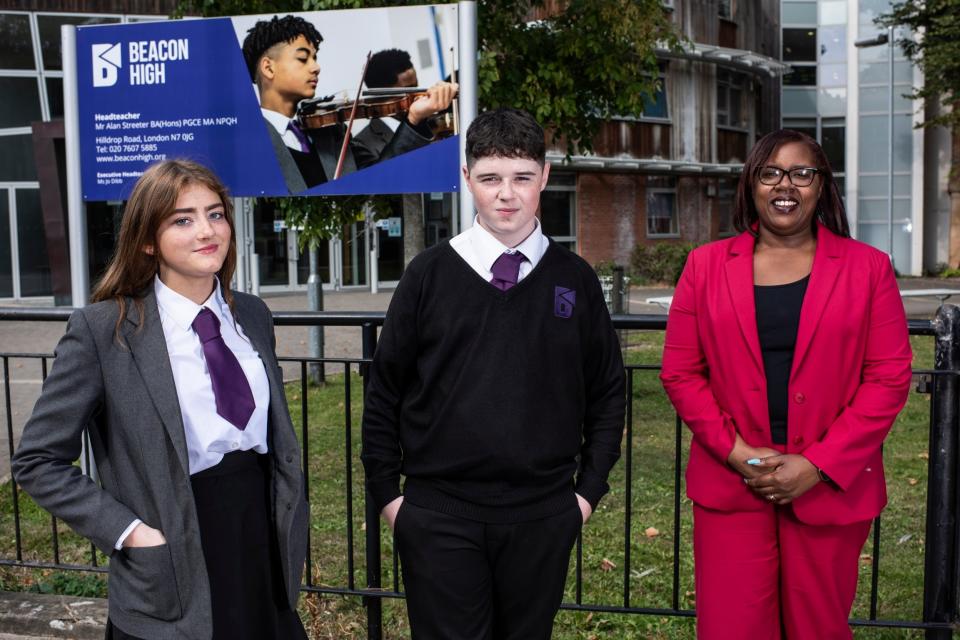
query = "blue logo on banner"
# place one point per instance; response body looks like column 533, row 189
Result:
column 106, row 63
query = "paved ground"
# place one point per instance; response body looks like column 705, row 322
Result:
column 44, row 617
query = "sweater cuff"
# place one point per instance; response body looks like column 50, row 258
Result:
column 384, row 491
column 591, row 488
column 423, row 129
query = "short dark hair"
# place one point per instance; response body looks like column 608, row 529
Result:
column 830, row 208
column 385, row 66
column 267, row 33
column 506, row 133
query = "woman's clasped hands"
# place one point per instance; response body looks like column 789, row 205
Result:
column 776, row 477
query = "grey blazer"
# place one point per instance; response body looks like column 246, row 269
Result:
column 374, row 137
column 125, row 394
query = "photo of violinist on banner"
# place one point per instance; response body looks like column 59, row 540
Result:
column 309, row 135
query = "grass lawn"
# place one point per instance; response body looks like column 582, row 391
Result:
column 650, row 573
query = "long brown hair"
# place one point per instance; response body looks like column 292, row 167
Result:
column 154, row 197
column 830, row 209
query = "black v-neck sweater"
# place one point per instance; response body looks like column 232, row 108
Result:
column 495, row 405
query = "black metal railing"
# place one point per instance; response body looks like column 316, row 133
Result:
column 941, row 572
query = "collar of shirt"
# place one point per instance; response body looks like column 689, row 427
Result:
column 181, row 310
column 487, row 248
column 279, row 122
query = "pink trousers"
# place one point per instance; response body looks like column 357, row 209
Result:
column 765, row 575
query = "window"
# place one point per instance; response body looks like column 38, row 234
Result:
column 833, row 141
column 833, row 12
column 800, row 45
column 6, row 257
column 34, row 265
column 833, row 44
column 726, row 190
column 725, row 9
column 16, row 50
column 798, row 13
column 662, row 218
column 656, row 106
column 21, row 102
column 730, row 111
column 16, row 158
column 801, row 75
column 558, row 209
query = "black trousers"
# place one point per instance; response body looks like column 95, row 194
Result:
column 477, row 581
column 240, row 550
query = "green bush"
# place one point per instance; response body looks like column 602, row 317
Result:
column 605, row 268
column 658, row 263
column 950, row 272
column 72, row 583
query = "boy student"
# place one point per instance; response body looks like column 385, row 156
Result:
column 497, row 390
column 281, row 56
column 388, row 69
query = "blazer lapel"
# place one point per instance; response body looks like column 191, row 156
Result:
column 260, row 342
column 149, row 349
column 739, row 273
column 826, row 267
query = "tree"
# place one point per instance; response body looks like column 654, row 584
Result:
column 582, row 63
column 936, row 50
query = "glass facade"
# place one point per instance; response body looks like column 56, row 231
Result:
column 816, row 100
column 883, row 222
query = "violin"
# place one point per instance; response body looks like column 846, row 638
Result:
column 320, row 113
column 317, row 115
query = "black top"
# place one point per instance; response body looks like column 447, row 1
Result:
column 778, row 318
column 485, row 399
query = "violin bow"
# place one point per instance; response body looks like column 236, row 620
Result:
column 353, row 114
column 454, row 75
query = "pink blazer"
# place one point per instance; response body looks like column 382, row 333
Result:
column 850, row 375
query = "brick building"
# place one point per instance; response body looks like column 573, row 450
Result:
column 669, row 175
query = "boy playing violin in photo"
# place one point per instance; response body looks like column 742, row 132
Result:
column 281, row 56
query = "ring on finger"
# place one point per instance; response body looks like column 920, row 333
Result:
column 772, row 497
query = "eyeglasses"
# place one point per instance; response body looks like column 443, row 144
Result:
column 799, row 177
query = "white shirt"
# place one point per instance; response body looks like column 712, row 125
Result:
column 362, row 123
column 480, row 249
column 209, row 436
column 280, row 122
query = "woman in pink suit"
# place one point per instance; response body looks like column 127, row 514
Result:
column 788, row 357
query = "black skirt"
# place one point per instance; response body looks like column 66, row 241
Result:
column 248, row 597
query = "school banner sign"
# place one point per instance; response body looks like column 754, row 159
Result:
column 265, row 101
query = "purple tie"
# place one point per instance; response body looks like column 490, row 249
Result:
column 506, row 270
column 230, row 387
column 301, row 136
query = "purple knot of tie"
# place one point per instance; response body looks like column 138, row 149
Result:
column 231, row 390
column 301, row 136
column 506, row 270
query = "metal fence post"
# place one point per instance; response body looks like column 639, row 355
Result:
column 940, row 560
column 374, row 605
